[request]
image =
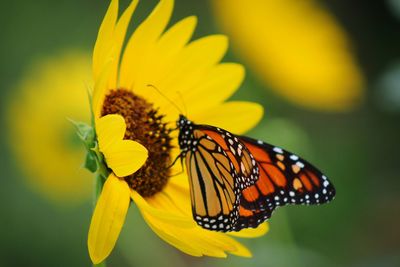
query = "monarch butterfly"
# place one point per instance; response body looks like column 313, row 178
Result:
column 237, row 182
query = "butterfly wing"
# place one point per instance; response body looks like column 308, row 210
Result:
column 284, row 179
column 243, row 161
column 214, row 184
column 237, row 182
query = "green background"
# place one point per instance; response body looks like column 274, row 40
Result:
column 359, row 150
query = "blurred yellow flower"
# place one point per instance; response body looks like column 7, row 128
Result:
column 297, row 48
column 43, row 140
column 134, row 137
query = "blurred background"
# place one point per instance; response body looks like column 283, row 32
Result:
column 327, row 73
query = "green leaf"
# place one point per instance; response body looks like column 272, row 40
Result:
column 91, row 161
column 85, row 132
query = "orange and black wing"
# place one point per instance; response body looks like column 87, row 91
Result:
column 241, row 158
column 284, row 179
column 214, row 184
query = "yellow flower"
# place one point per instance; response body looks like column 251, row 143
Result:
column 134, row 121
column 296, row 47
column 41, row 137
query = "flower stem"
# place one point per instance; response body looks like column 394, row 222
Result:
column 102, row 264
column 98, row 186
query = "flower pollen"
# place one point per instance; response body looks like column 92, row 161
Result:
column 144, row 125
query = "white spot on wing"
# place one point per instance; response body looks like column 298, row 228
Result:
column 300, row 164
column 278, row 150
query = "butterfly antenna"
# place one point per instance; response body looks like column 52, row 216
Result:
column 169, row 100
column 183, row 102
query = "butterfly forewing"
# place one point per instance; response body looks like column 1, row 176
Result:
column 214, row 184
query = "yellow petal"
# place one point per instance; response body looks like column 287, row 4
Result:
column 181, row 182
column 175, row 196
column 118, row 40
column 172, row 240
column 162, row 57
column 240, row 250
column 298, row 48
column 195, row 241
column 206, row 51
column 108, row 218
column 166, row 215
column 142, row 40
column 187, row 71
column 193, row 61
column 125, row 157
column 166, row 50
column 175, row 199
column 100, row 89
column 229, row 244
column 192, row 240
column 261, row 230
column 220, row 83
column 237, row 117
column 109, row 130
column 176, row 37
column 104, row 38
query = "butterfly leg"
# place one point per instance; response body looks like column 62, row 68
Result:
column 182, row 170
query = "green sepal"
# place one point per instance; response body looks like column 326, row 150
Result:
column 94, row 160
column 87, row 135
column 91, row 161
column 85, row 132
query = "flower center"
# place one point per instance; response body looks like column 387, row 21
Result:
column 145, row 125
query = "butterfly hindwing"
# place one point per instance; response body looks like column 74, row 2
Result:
column 284, row 179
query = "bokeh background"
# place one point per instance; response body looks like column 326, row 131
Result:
column 327, row 73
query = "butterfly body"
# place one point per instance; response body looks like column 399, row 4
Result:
column 237, row 182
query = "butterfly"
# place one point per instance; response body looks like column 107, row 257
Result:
column 237, row 182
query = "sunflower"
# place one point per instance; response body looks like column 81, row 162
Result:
column 56, row 173
column 132, row 142
column 296, row 47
